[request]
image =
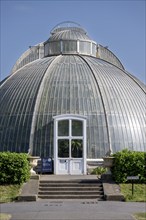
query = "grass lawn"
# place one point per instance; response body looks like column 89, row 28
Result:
column 9, row 193
column 139, row 194
column 5, row 216
column 140, row 216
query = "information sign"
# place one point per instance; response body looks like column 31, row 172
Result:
column 47, row 165
column 132, row 177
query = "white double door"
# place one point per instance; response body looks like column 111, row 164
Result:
column 70, row 166
column 70, row 156
column 70, row 145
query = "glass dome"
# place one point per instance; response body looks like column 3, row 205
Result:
column 106, row 99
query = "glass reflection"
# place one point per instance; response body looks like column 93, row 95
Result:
column 63, row 148
column 77, row 128
column 76, row 148
column 63, row 128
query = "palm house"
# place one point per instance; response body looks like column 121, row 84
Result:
column 71, row 99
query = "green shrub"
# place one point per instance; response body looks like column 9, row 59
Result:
column 129, row 163
column 99, row 170
column 14, row 168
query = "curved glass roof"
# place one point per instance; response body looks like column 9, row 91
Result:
column 112, row 101
column 33, row 53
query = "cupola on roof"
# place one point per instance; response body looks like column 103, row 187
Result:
column 68, row 31
column 69, row 38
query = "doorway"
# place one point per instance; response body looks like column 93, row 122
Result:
column 70, row 144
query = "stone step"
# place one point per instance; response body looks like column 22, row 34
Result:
column 68, row 185
column 71, row 189
column 71, row 181
column 99, row 197
column 79, row 188
column 70, row 192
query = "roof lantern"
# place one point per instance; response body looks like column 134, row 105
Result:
column 68, row 25
column 69, row 38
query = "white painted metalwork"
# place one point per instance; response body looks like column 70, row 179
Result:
column 69, row 165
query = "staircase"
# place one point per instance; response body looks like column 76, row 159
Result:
column 71, row 189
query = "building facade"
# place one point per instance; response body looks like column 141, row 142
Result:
column 71, row 99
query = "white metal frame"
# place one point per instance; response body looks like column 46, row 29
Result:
column 69, row 117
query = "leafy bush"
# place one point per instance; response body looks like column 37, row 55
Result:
column 129, row 163
column 99, row 170
column 14, row 168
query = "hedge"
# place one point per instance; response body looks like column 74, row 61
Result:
column 14, row 168
column 129, row 163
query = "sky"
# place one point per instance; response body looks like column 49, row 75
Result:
column 118, row 24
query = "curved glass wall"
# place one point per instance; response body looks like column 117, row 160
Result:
column 107, row 55
column 92, row 90
column 70, row 88
column 124, row 103
column 112, row 101
column 17, row 100
column 33, row 53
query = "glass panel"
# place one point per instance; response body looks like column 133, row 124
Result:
column 63, row 148
column 69, row 46
column 94, row 49
column 54, row 47
column 77, row 128
column 77, row 148
column 85, row 47
column 63, row 128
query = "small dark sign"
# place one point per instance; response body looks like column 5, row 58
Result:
column 132, row 177
column 47, row 165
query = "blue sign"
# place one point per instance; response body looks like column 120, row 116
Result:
column 47, row 165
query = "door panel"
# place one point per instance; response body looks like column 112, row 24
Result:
column 76, row 166
column 63, row 166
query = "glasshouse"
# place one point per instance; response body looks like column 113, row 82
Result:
column 71, row 99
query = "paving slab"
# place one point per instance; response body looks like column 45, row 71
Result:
column 73, row 210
